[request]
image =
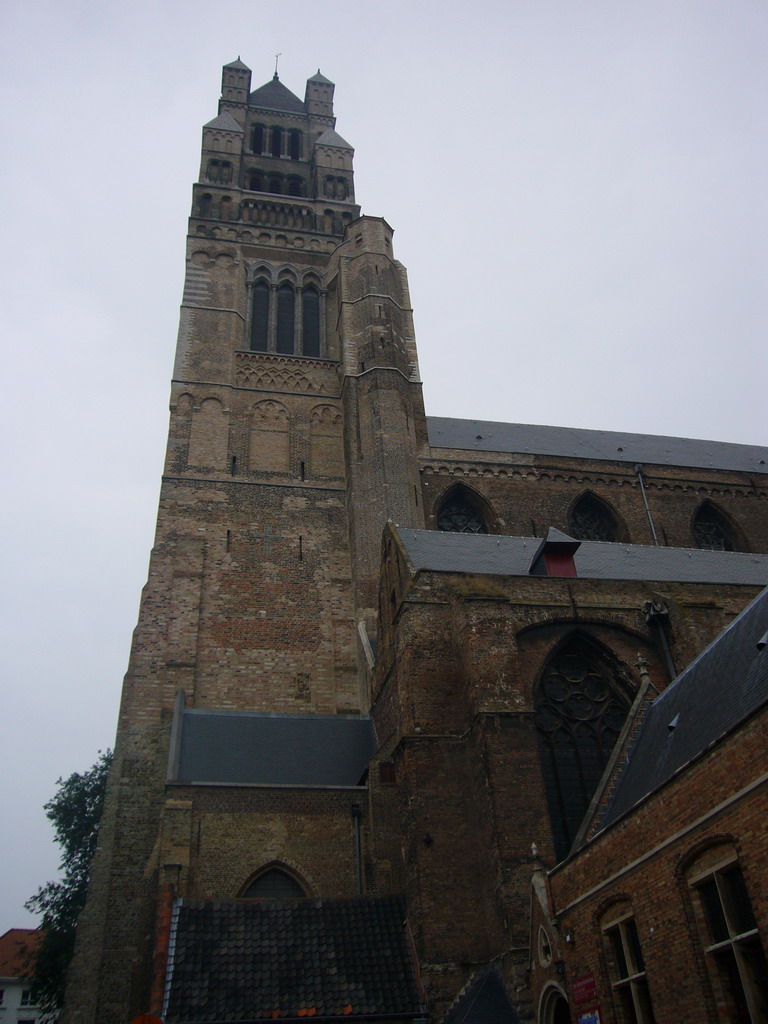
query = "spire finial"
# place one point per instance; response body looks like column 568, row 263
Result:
column 277, row 58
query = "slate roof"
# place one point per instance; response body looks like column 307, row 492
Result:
column 572, row 442
column 225, row 122
column 274, row 96
column 238, row 64
column 483, row 1001
column 511, row 556
column 13, row 946
column 722, row 687
column 255, row 960
column 320, row 78
column 332, row 138
column 251, row 748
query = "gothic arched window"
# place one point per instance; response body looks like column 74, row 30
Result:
column 459, row 513
column 286, row 306
column 310, row 326
column 592, row 519
column 260, row 317
column 711, row 529
column 274, row 884
column 580, row 708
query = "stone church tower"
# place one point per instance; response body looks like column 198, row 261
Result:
column 313, row 711
column 296, row 417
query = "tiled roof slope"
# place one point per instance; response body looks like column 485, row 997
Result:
column 242, row 748
column 13, row 951
column 275, row 96
column 225, row 122
column 726, row 684
column 483, row 1001
column 572, row 442
column 256, row 960
column 330, row 137
column 511, row 556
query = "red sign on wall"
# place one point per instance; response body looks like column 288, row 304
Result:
column 584, row 989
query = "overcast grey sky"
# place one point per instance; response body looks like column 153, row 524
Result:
column 577, row 191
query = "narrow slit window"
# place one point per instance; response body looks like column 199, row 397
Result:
column 260, row 317
column 311, row 321
column 286, row 304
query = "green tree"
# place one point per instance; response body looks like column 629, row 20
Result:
column 75, row 813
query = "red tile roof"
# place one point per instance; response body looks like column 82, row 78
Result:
column 13, row 950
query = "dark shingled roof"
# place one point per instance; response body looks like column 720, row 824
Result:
column 238, row 64
column 320, row 78
column 255, row 960
column 275, row 96
column 572, row 442
column 726, row 684
column 241, row 748
column 511, row 556
column 483, row 1001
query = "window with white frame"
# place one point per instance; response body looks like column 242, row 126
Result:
column 733, row 951
column 627, row 968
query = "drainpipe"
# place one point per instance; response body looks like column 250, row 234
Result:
column 639, row 471
column 356, row 815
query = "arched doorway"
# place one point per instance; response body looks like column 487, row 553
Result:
column 553, row 1008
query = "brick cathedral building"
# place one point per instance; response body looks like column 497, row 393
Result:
column 390, row 670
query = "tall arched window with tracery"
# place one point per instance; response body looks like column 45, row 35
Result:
column 591, row 518
column 713, row 531
column 580, row 706
column 274, row 884
column 460, row 512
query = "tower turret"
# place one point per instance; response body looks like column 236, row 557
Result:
column 332, row 175
column 318, row 97
column 235, row 86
